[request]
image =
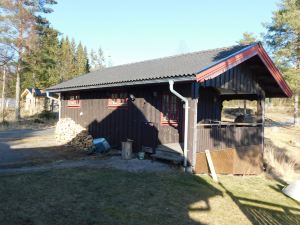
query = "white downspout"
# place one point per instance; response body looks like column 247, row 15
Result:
column 186, row 117
column 59, row 103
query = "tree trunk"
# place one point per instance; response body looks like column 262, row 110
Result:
column 3, row 95
column 245, row 107
column 18, row 93
column 296, row 110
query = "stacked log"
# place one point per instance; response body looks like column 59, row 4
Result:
column 68, row 132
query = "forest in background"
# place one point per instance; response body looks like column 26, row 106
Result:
column 35, row 54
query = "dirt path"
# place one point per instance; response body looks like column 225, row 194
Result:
column 28, row 146
column 133, row 165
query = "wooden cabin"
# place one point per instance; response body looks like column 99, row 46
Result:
column 135, row 101
column 34, row 101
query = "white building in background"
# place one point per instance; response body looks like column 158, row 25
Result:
column 35, row 101
column 9, row 103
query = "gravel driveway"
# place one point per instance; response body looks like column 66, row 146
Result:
column 20, row 148
column 133, row 165
column 22, row 133
column 26, row 145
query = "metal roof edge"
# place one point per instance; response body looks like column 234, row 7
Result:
column 228, row 57
column 125, row 83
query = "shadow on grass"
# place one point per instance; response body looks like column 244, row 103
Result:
column 92, row 196
column 272, row 123
column 261, row 212
column 89, row 196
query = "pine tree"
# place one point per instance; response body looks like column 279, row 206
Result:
column 17, row 22
column 248, row 38
column 52, row 56
column 87, row 64
column 81, row 60
column 40, row 62
column 97, row 60
column 93, row 59
column 73, row 52
column 283, row 39
column 3, row 93
column 101, row 59
column 283, row 36
column 66, row 60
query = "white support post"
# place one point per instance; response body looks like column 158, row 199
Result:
column 263, row 123
column 3, row 95
column 211, row 165
column 59, row 107
column 296, row 110
column 58, row 100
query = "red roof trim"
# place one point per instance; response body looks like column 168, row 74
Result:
column 274, row 71
column 237, row 59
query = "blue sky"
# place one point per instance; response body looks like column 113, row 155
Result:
column 132, row 30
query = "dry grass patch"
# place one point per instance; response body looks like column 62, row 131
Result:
column 42, row 120
column 282, row 152
column 278, row 164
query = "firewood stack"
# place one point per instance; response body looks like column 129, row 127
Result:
column 68, row 132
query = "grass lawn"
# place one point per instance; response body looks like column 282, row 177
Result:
column 106, row 196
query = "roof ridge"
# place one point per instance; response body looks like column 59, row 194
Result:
column 173, row 56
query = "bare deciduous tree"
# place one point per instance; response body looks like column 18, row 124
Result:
column 17, row 25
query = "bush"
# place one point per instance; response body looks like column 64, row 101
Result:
column 4, row 123
column 4, row 115
column 47, row 115
column 38, row 121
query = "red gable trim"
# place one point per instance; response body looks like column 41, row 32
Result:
column 237, row 59
column 274, row 71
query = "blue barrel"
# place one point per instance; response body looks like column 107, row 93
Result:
column 101, row 145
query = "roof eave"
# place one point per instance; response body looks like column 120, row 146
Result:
column 125, row 83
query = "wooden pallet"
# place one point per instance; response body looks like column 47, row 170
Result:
column 171, row 152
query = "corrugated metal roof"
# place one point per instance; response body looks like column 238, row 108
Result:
column 183, row 66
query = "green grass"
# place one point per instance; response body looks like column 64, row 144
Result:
column 106, row 196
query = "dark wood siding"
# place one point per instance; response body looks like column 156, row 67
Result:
column 228, row 136
column 240, row 78
column 139, row 121
column 234, row 149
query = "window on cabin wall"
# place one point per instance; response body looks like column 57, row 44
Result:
column 118, row 99
column 170, row 107
column 73, row 101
